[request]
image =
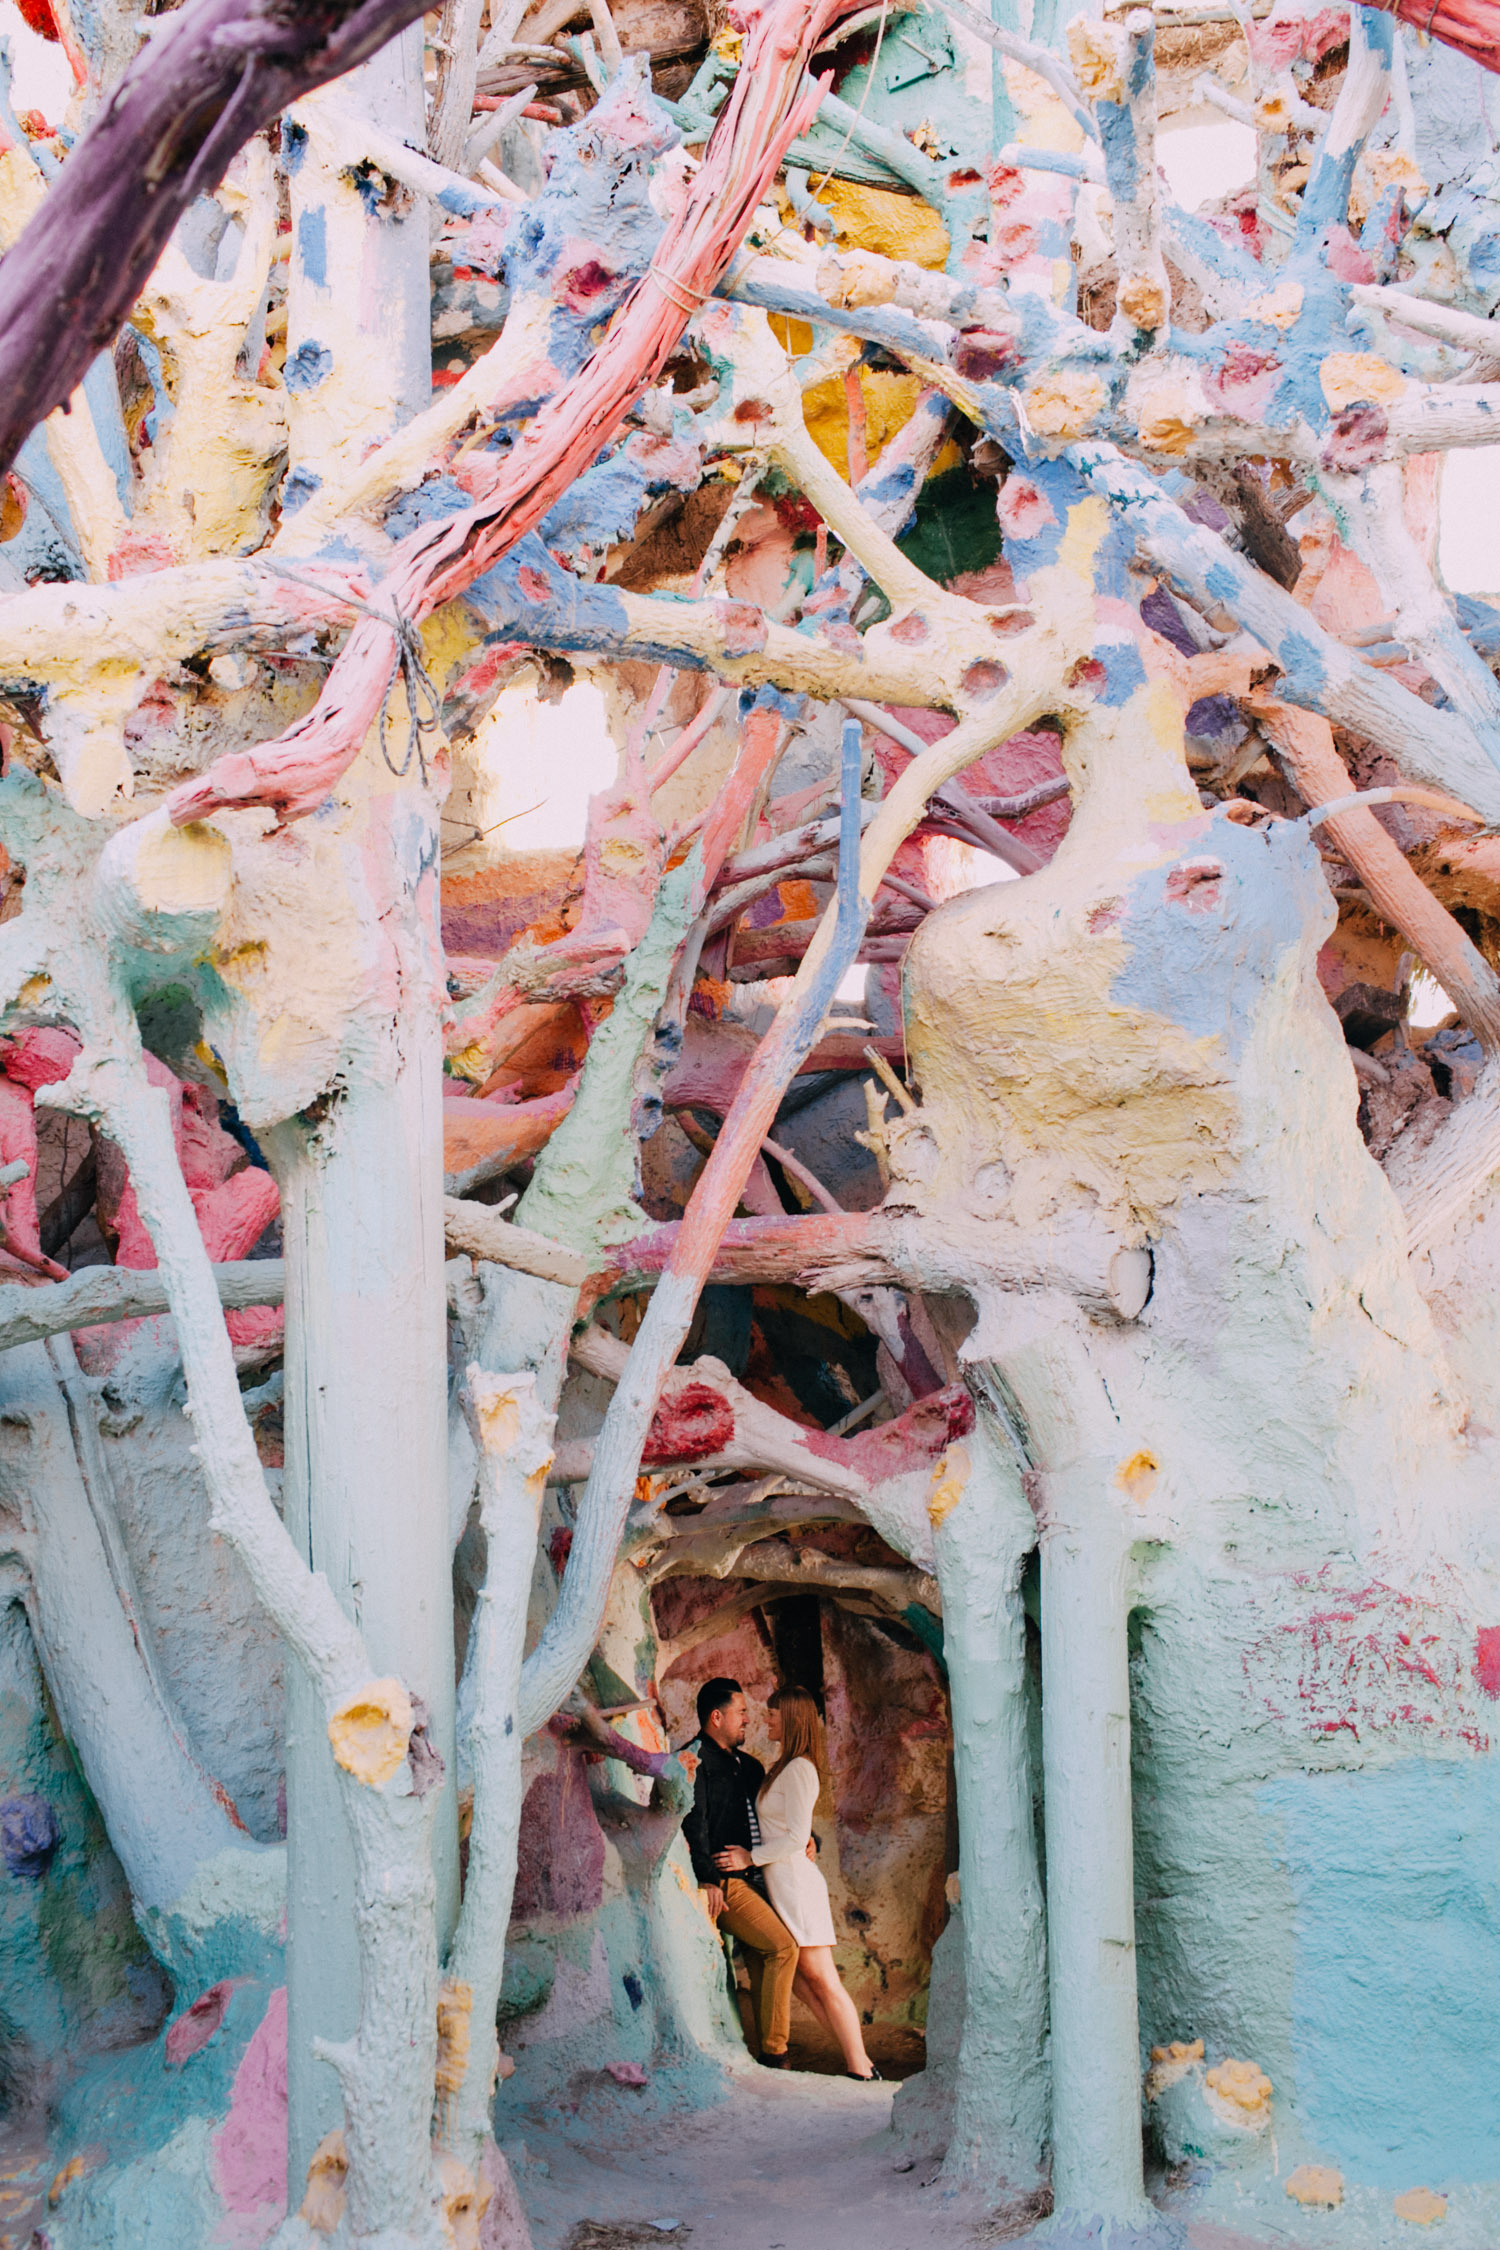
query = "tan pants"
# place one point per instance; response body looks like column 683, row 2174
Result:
column 771, row 1958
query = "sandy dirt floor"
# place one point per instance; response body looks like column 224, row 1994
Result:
column 791, row 2161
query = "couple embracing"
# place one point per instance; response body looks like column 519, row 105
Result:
column 755, row 1857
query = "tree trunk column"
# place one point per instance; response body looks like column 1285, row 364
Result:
column 1000, row 2112
column 366, row 1496
column 1096, row 2094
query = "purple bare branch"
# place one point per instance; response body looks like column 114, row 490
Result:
column 207, row 79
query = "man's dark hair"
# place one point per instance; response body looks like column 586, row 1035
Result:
column 712, row 1696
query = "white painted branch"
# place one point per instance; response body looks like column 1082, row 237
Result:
column 513, row 1429
column 458, row 71
column 1144, row 293
column 99, row 1295
column 1446, row 323
column 479, row 1230
column 161, row 1814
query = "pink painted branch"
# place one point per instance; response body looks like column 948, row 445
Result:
column 558, row 1657
column 687, row 742
column 768, row 107
column 210, row 77
column 1470, row 26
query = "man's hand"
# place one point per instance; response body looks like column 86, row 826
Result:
column 734, row 1859
column 812, row 1847
column 713, row 1899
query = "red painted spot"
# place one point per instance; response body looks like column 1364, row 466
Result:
column 559, row 1547
column 982, row 353
column 984, row 679
column 1195, row 885
column 1487, row 1658
column 583, row 283
column 690, row 1424
column 197, row 2025
column 533, row 585
column 910, row 631
column 38, row 14
column 742, row 627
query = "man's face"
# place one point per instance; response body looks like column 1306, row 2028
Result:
column 727, row 1725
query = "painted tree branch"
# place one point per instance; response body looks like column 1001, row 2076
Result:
column 99, row 1295
column 209, row 77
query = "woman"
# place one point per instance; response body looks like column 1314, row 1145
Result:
column 785, row 1806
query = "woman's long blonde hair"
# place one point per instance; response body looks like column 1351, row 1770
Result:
column 801, row 1735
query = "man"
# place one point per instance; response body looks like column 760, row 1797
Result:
column 725, row 1787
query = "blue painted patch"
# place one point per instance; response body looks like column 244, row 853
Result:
column 1396, row 1992
column 528, row 591
column 312, row 245
column 768, row 698
column 1123, row 672
column 1202, row 958
column 307, row 367
column 432, row 500
column 1121, row 162
column 293, row 144
column 1221, row 582
column 465, row 202
column 299, row 489
column 599, row 509
column 597, row 193
column 1305, row 675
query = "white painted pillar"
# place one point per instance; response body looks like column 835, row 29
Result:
column 366, row 1366
column 1096, row 2093
column 366, row 1494
column 359, row 319
column 1000, row 2109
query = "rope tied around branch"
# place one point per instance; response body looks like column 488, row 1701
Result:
column 408, row 661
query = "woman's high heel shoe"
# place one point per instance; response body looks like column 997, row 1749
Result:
column 874, row 2078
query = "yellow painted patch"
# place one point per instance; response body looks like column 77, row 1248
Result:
column 1316, row 2185
column 448, row 639
column 1167, row 413
column 1279, row 306
column 1063, row 404
column 1137, row 1477
column 73, row 2170
column 1242, row 2084
column 34, row 991
column 1356, row 378
column 1143, row 300
column 1378, row 170
column 1170, row 2064
column 890, row 401
column 1164, row 717
column 182, row 870
column 793, row 336
column 897, row 226
column 950, row 1476
column 463, row 2201
column 1095, row 53
column 498, row 1413
column 370, row 1731
column 1420, row 2207
column 472, row 1062
column 323, row 2204
column 1088, row 521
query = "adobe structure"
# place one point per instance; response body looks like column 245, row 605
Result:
column 971, row 1184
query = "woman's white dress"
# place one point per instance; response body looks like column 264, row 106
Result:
column 798, row 1891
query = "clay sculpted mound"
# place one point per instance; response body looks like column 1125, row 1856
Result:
column 972, row 1188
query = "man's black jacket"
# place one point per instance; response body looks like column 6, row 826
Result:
column 724, row 1794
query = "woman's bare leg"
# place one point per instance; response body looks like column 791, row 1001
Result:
column 812, row 2001
column 815, row 1968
